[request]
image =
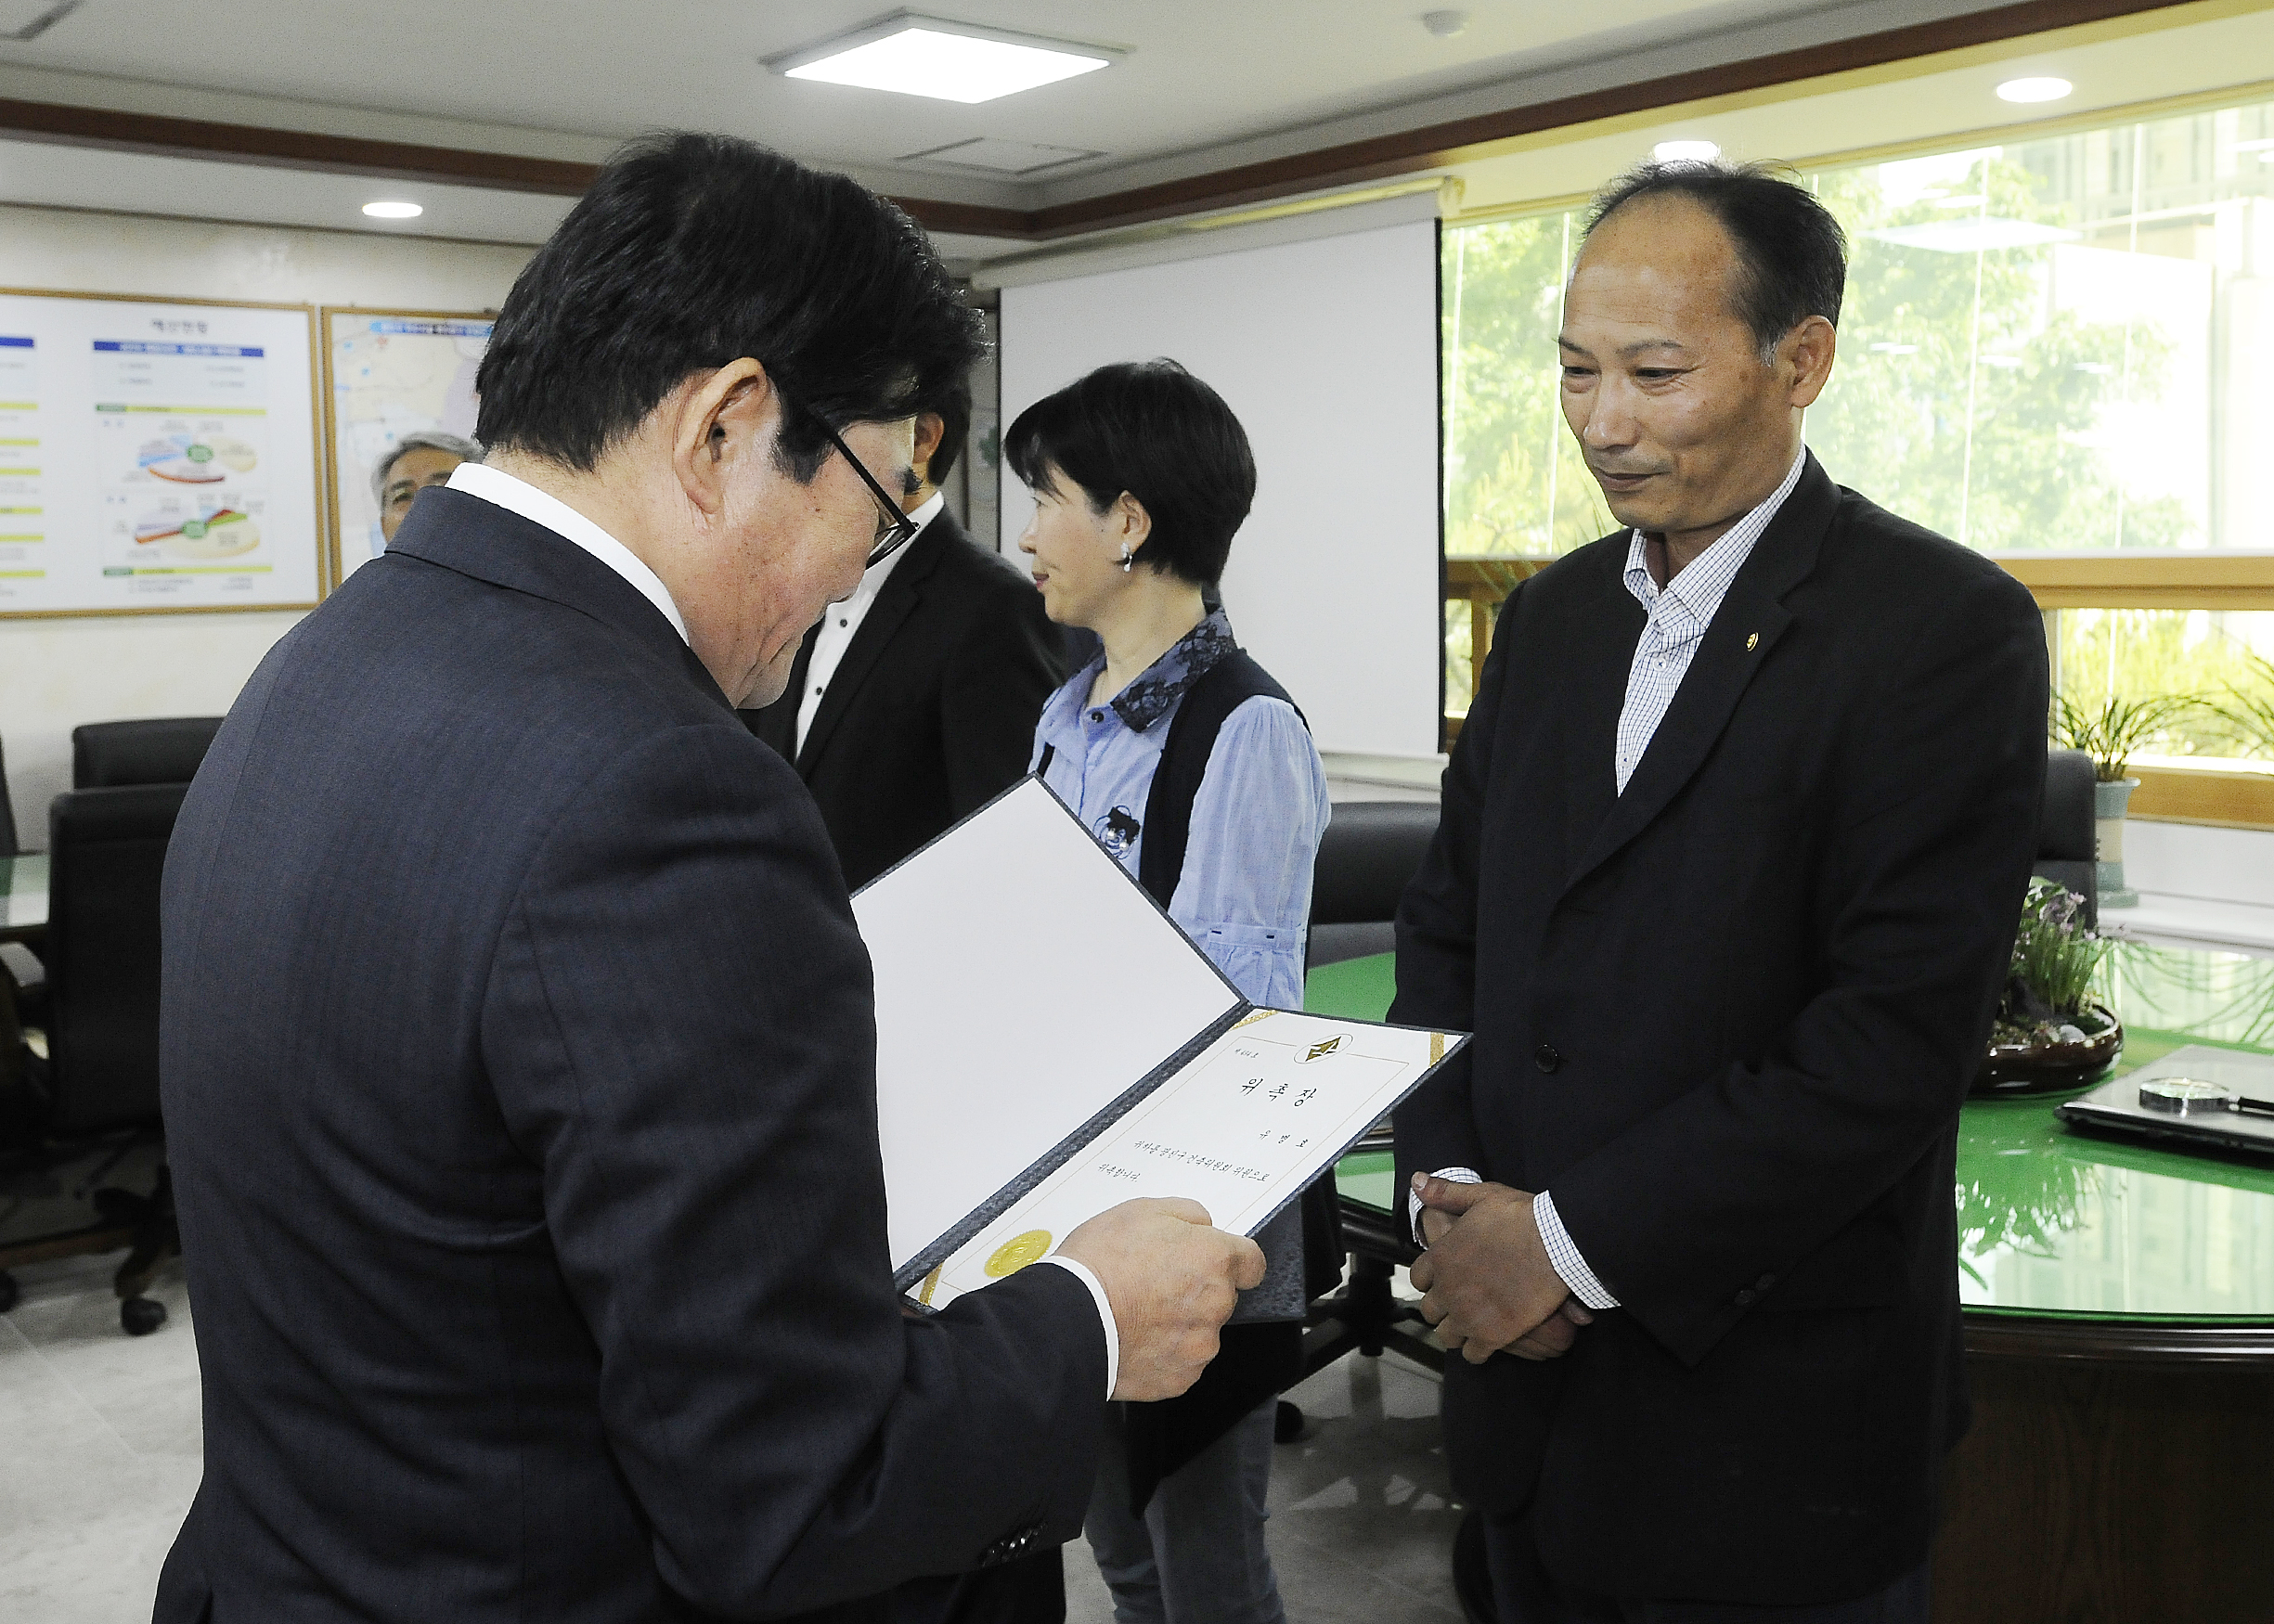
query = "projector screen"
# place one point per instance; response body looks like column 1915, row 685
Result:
column 1326, row 349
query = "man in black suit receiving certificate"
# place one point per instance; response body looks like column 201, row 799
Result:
column 519, row 1054
column 1734, row 843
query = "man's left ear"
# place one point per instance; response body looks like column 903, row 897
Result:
column 931, row 428
column 723, row 418
column 1811, row 347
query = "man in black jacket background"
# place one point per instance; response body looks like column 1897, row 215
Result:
column 914, row 701
column 1734, row 843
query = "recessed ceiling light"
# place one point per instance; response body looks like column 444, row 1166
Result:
column 950, row 61
column 2040, row 89
column 1445, row 24
column 385, row 210
column 1685, row 151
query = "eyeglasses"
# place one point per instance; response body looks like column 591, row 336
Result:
column 897, row 529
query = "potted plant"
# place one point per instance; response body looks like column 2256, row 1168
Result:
column 2050, row 1031
column 2110, row 736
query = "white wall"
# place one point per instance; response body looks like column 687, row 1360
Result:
column 1326, row 349
column 56, row 674
column 2200, row 862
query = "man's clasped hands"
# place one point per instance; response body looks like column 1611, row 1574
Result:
column 1487, row 1284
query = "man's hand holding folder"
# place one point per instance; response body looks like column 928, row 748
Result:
column 1171, row 1279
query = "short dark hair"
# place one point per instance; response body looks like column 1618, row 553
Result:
column 953, row 405
column 695, row 251
column 1792, row 257
column 1151, row 428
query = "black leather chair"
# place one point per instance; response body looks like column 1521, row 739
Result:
column 19, row 965
column 8, row 848
column 1370, row 851
column 94, row 1089
column 160, row 750
column 2068, row 835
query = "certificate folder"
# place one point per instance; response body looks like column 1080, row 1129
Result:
column 1049, row 1043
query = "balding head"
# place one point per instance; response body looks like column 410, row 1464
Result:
column 1685, row 423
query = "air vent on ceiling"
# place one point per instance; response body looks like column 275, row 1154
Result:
column 993, row 157
column 27, row 20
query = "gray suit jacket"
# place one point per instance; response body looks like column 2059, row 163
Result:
column 518, row 1071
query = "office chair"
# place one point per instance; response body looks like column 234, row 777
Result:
column 1370, row 851
column 94, row 1089
column 8, row 848
column 19, row 964
column 2068, row 835
column 160, row 750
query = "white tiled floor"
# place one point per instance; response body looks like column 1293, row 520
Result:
column 100, row 1443
column 100, row 1434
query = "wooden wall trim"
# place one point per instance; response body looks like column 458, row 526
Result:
column 2143, row 580
column 172, row 137
column 2224, row 797
column 1379, row 157
column 167, row 136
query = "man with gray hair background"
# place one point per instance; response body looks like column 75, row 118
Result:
column 422, row 458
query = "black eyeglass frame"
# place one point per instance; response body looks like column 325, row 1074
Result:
column 901, row 530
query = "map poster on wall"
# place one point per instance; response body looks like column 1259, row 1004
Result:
column 156, row 454
column 388, row 373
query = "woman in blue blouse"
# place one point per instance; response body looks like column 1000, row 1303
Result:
column 1141, row 475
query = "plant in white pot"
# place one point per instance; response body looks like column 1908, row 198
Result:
column 2111, row 735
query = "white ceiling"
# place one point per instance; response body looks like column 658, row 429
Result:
column 1206, row 86
column 569, row 76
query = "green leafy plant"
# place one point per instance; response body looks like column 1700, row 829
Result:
column 2249, row 710
column 2056, row 958
column 2114, row 732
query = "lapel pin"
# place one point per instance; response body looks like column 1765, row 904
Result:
column 1752, row 641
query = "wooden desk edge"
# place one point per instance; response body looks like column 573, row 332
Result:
column 2103, row 1342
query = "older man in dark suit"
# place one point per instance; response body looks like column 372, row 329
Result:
column 518, row 1043
column 1734, row 843
column 914, row 701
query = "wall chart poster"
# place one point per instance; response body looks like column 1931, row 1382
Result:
column 388, row 373
column 156, row 456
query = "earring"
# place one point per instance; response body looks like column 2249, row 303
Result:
column 1127, row 558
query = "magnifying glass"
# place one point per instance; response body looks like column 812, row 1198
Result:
column 2194, row 1097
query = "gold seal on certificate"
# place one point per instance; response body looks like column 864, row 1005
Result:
column 1017, row 1253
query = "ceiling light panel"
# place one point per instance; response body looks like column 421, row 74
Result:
column 987, row 156
column 913, row 55
column 27, row 20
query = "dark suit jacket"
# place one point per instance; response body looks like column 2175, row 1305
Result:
column 931, row 714
column 518, row 1073
column 1728, row 1018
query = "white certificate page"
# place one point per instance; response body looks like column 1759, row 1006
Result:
column 1241, row 1129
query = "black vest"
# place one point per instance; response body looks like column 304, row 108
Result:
column 1255, row 1361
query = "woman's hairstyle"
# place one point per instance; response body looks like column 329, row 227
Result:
column 1151, row 428
column 691, row 252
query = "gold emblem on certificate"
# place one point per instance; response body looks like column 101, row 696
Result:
column 1320, row 1051
column 1017, row 1253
